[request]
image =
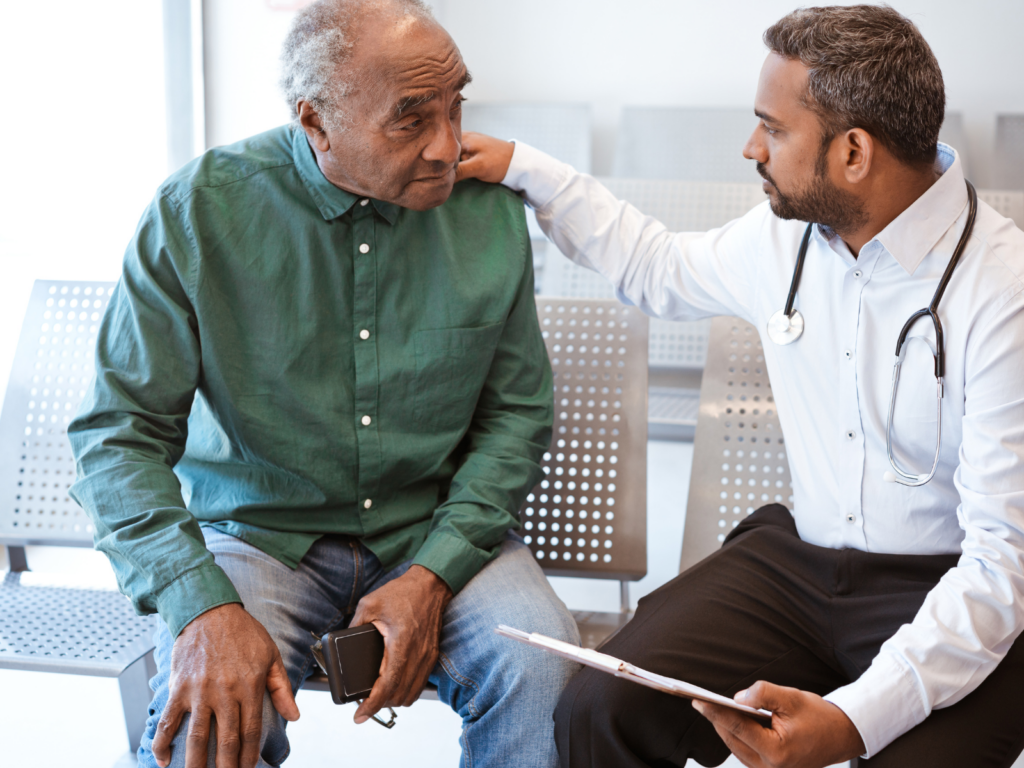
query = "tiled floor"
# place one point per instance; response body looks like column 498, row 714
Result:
column 52, row 721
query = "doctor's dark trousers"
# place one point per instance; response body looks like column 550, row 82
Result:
column 768, row 606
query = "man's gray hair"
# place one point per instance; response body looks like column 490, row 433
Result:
column 318, row 45
column 870, row 68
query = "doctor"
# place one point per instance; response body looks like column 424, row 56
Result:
column 878, row 619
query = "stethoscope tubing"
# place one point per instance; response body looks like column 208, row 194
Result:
column 932, row 311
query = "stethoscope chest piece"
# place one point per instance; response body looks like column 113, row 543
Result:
column 784, row 329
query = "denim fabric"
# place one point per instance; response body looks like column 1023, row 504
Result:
column 505, row 692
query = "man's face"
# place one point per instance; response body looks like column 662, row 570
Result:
column 403, row 137
column 788, row 147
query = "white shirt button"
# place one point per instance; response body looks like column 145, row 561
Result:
column 850, row 435
column 366, row 421
column 364, row 334
column 848, row 354
column 858, row 274
column 364, row 202
column 367, row 504
column 364, row 248
column 851, row 519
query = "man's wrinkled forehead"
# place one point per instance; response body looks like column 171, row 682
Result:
column 413, row 96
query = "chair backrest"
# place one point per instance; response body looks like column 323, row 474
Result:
column 1008, row 172
column 561, row 130
column 588, row 516
column 53, row 365
column 682, row 206
column 952, row 133
column 1008, row 203
column 685, row 143
column 596, row 468
column 739, row 455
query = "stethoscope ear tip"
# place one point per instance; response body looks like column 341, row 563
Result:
column 889, row 477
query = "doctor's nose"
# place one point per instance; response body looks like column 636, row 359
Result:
column 755, row 148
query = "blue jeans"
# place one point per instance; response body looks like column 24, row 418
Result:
column 505, row 692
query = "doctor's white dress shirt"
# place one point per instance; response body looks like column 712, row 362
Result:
column 832, row 389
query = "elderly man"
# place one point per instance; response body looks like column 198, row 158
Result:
column 321, row 397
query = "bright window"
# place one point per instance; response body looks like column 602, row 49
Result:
column 84, row 141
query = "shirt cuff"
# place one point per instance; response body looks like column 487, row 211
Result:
column 883, row 704
column 539, row 175
column 193, row 593
column 453, row 559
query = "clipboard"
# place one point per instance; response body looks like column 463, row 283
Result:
column 619, row 668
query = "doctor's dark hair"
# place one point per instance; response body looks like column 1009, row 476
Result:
column 869, row 68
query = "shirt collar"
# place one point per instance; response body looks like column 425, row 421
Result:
column 914, row 233
column 332, row 201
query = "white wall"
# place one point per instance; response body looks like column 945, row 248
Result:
column 612, row 53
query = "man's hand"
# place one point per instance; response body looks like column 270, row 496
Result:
column 408, row 612
column 221, row 664
column 806, row 730
column 484, row 158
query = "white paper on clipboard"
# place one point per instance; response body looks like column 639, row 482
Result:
column 619, row 668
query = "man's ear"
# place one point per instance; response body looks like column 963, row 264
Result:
column 309, row 119
column 858, row 154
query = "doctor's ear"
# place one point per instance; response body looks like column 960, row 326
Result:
column 856, row 148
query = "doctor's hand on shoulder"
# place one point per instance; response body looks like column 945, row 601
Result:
column 806, row 730
column 484, row 157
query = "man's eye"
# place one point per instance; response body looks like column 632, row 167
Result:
column 412, row 126
column 770, row 131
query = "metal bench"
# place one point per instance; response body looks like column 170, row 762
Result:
column 50, row 624
column 595, row 479
column 676, row 350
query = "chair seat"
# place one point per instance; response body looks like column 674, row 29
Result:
column 91, row 632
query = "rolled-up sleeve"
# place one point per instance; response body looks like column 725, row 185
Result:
column 132, row 427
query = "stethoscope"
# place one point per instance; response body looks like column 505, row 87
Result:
column 787, row 325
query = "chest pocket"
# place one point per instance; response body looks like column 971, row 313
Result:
column 451, row 368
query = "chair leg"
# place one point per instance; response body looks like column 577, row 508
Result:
column 17, row 559
column 135, row 698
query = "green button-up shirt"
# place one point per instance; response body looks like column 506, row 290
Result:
column 283, row 360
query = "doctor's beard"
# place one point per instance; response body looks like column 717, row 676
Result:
column 822, row 202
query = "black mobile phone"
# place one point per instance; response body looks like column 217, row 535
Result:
column 353, row 658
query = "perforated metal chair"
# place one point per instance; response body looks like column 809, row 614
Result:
column 1009, row 156
column 51, row 624
column 685, row 143
column 739, row 454
column 676, row 351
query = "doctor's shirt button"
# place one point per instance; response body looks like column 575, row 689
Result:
column 364, row 248
column 850, row 435
column 858, row 274
column 851, row 518
column 367, row 504
column 848, row 354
